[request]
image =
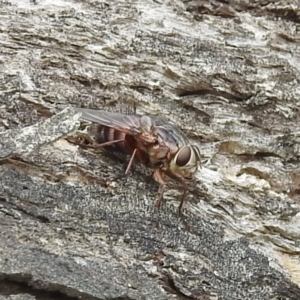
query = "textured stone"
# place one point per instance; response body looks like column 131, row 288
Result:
column 227, row 74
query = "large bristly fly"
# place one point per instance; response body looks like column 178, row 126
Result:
column 153, row 141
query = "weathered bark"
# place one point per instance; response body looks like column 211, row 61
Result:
column 228, row 75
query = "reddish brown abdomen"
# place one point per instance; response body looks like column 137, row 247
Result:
column 108, row 134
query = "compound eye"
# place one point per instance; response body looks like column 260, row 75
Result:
column 183, row 156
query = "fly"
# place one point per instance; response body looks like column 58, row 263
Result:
column 153, row 141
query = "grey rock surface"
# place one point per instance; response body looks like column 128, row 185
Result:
column 227, row 74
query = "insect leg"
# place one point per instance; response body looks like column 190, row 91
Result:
column 158, row 176
column 130, row 162
column 129, row 165
column 98, row 146
column 184, row 185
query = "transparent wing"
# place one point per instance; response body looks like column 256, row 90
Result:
column 128, row 123
column 145, row 128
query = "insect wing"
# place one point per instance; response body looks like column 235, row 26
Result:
column 126, row 123
column 147, row 129
column 138, row 126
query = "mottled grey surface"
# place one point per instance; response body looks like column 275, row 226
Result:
column 228, row 75
column 27, row 139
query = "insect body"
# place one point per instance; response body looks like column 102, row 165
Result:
column 153, row 141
